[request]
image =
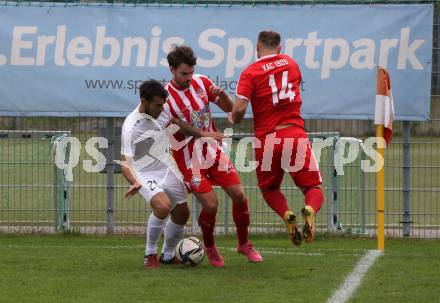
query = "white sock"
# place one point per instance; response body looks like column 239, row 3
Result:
column 154, row 230
column 172, row 234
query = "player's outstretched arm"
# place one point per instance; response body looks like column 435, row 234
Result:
column 238, row 110
column 196, row 132
column 127, row 173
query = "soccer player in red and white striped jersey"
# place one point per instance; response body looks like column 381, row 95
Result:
column 189, row 100
column 272, row 86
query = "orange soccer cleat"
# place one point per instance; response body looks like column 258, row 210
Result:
column 292, row 228
column 309, row 219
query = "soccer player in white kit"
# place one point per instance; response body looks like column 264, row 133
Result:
column 147, row 166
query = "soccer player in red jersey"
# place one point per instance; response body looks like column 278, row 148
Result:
column 189, row 97
column 272, row 86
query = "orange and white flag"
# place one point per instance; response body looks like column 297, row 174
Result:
column 384, row 111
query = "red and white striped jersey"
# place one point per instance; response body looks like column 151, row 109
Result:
column 191, row 105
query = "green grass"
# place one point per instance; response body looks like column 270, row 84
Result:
column 78, row 268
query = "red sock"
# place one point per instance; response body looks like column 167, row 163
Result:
column 277, row 201
column 207, row 225
column 240, row 213
column 314, row 198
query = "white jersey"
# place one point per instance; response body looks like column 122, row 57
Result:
column 145, row 140
column 141, row 136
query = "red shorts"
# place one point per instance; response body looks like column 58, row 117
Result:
column 292, row 153
column 222, row 173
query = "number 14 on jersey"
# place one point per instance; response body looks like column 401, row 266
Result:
column 286, row 89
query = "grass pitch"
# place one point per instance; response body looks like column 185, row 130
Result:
column 77, row 268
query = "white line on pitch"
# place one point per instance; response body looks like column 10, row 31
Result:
column 353, row 280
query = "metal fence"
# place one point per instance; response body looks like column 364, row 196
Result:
column 35, row 197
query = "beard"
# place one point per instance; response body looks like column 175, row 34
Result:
column 183, row 84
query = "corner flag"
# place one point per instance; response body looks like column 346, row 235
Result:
column 383, row 119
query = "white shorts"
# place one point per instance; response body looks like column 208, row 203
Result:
column 162, row 181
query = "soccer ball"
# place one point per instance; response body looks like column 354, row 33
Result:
column 190, row 251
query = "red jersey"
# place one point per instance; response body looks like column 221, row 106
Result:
column 192, row 106
column 272, row 86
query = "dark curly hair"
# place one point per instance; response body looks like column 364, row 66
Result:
column 181, row 54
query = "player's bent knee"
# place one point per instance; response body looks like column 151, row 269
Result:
column 239, row 197
column 160, row 205
column 210, row 207
column 236, row 193
column 208, row 201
